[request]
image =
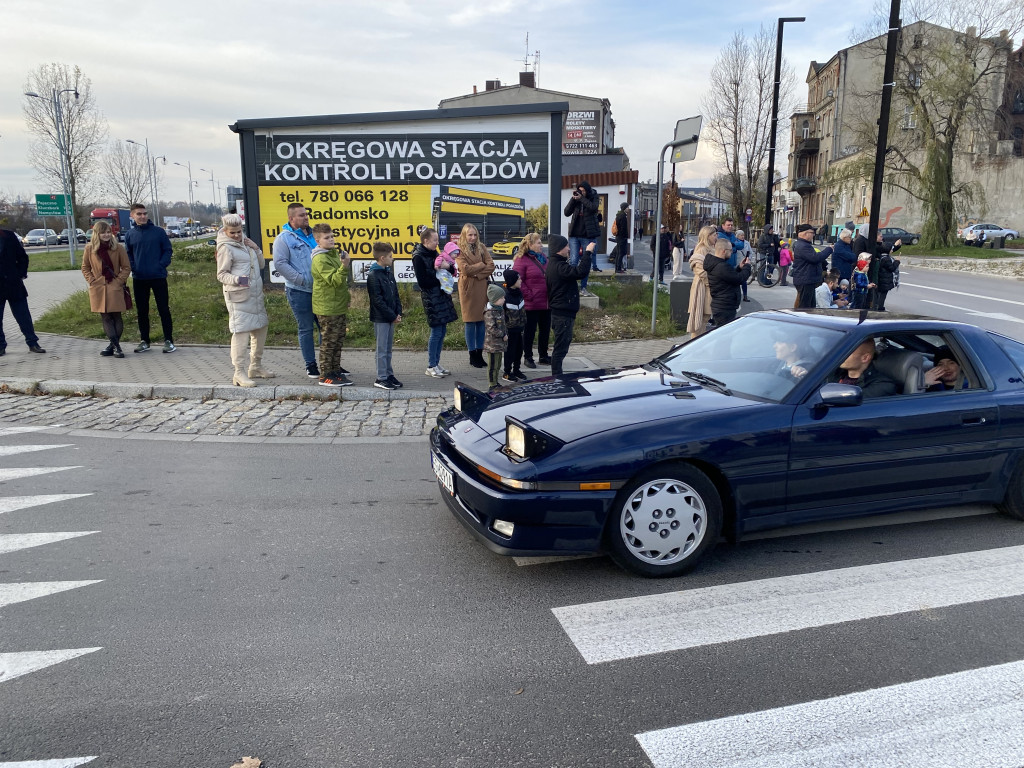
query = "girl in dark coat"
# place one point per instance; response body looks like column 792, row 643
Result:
column 438, row 305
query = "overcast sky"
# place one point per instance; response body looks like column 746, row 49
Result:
column 179, row 73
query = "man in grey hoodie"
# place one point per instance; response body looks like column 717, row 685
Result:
column 293, row 259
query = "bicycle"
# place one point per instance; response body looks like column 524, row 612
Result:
column 767, row 275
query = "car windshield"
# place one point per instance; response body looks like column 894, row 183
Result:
column 36, row 233
column 760, row 357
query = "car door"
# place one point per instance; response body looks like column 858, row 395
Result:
column 890, row 453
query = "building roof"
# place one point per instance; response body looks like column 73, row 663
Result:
column 609, row 179
column 558, row 94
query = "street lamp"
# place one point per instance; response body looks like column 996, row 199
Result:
column 64, row 172
column 775, row 116
column 213, row 187
column 191, row 212
column 150, row 163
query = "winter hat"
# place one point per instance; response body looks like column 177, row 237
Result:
column 510, row 276
column 451, row 249
column 494, row 292
column 556, row 243
column 844, row 283
column 623, row 206
column 863, row 261
column 803, row 228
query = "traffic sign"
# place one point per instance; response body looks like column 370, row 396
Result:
column 749, row 217
column 749, row 212
column 52, row 205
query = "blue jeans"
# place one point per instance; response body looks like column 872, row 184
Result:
column 301, row 303
column 576, row 247
column 437, row 333
column 475, row 333
column 19, row 308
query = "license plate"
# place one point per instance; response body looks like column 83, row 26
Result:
column 444, row 475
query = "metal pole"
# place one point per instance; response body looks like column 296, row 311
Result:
column 888, row 83
column 657, row 240
column 149, row 172
column 156, row 189
column 775, row 116
column 213, row 186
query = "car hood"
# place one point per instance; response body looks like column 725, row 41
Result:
column 583, row 404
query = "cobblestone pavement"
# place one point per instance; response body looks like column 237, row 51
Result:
column 227, row 420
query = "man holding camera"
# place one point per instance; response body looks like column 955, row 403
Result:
column 584, row 227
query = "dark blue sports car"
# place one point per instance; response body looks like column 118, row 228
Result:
column 775, row 419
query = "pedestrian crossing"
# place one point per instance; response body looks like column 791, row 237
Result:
column 16, row 664
column 962, row 720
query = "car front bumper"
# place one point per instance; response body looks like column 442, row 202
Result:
column 545, row 522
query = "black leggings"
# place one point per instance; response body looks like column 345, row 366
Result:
column 113, row 325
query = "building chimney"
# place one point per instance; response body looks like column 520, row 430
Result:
column 528, row 79
column 972, row 31
column 492, row 85
column 474, row 89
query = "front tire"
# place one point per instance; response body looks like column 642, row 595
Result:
column 1013, row 502
column 664, row 521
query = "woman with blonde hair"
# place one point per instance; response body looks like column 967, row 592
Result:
column 700, row 292
column 475, row 267
column 239, row 268
column 105, row 268
column 530, row 263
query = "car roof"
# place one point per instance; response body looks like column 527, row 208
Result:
column 846, row 320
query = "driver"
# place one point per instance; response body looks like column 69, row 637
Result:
column 793, row 362
column 859, row 370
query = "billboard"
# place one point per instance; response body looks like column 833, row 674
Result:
column 381, row 177
column 582, row 133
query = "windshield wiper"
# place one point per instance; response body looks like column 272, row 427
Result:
column 707, row 381
column 660, row 364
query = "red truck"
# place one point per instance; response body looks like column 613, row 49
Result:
column 117, row 218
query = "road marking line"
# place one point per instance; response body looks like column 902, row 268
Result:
column 29, row 590
column 14, row 665
column 976, row 313
column 17, row 473
column 5, row 431
column 66, row 762
column 640, row 626
column 972, row 719
column 12, row 503
column 12, row 542
column 963, row 293
column 14, row 450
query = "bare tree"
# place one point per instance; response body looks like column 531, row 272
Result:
column 125, row 173
column 83, row 128
column 737, row 111
column 949, row 74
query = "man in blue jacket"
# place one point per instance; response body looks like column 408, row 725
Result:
column 293, row 260
column 149, row 253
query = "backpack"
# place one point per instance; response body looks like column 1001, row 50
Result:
column 615, row 227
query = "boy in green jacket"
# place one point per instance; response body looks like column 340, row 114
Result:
column 330, row 304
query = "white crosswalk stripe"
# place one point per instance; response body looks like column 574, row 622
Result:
column 7, row 431
column 17, row 473
column 67, row 762
column 14, row 665
column 14, row 450
column 622, row 629
column 971, row 719
column 12, row 542
column 14, row 503
column 29, row 590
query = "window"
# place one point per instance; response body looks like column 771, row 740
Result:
column 1018, row 102
column 909, row 120
column 918, row 40
column 863, row 197
column 806, row 133
column 1018, row 141
column 914, row 78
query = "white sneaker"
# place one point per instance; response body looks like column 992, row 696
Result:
column 435, row 372
column 445, row 371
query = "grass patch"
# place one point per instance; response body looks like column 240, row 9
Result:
column 200, row 316
column 954, row 252
column 54, row 261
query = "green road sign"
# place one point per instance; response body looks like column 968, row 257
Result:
column 51, row 205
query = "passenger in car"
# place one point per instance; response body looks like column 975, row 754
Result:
column 793, row 360
column 859, row 370
column 946, row 374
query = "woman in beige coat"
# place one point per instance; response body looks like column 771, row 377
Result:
column 700, row 292
column 475, row 268
column 106, row 269
column 239, row 267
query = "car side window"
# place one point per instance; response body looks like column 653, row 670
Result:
column 1013, row 349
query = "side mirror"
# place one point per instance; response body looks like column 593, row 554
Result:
column 840, row 395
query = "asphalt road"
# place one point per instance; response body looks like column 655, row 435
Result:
column 319, row 606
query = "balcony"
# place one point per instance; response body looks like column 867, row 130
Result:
column 807, row 146
column 804, row 185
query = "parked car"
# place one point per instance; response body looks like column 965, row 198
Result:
column 41, row 237
column 969, row 234
column 506, row 247
column 174, row 231
column 79, row 236
column 741, row 429
column 88, row 236
column 891, row 234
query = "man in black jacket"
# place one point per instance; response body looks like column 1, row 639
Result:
column 807, row 274
column 661, row 249
column 584, row 228
column 724, row 281
column 13, row 273
column 563, row 294
column 622, row 237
